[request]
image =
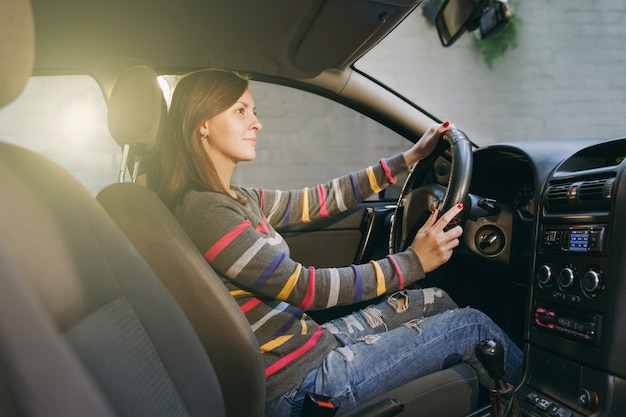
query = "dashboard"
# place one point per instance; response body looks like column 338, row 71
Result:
column 508, row 178
column 571, row 197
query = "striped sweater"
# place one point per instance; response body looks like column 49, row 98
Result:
column 274, row 291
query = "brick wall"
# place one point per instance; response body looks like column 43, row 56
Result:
column 551, row 85
column 554, row 84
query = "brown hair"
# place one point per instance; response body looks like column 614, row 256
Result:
column 183, row 163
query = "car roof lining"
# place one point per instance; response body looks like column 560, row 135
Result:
column 192, row 34
column 313, row 42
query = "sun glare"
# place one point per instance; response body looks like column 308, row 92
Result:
column 167, row 83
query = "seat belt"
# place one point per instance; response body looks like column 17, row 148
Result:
column 321, row 406
column 316, row 405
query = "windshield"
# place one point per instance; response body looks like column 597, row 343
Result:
column 556, row 72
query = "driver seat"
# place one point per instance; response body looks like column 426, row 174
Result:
column 216, row 317
column 224, row 330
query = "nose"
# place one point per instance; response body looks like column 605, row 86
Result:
column 256, row 123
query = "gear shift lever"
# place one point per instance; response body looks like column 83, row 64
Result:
column 490, row 354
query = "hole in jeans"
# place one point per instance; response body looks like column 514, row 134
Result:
column 399, row 301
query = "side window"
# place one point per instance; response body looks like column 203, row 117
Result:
column 307, row 139
column 65, row 119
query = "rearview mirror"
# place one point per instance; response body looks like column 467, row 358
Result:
column 487, row 17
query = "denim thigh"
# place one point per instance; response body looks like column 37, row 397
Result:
column 411, row 334
column 357, row 372
column 398, row 309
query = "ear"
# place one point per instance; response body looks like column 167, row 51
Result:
column 203, row 128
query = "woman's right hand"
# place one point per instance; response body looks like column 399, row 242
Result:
column 427, row 143
column 434, row 243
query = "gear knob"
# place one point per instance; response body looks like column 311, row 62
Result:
column 490, row 353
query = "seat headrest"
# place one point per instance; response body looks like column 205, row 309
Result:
column 17, row 47
column 136, row 107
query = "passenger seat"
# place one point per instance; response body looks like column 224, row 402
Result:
column 86, row 328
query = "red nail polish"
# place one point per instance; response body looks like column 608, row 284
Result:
column 459, row 206
column 446, row 124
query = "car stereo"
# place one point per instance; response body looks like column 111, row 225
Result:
column 580, row 326
column 583, row 239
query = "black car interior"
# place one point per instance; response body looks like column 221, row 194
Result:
column 107, row 309
column 576, row 310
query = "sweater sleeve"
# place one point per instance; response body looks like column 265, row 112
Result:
column 244, row 249
column 284, row 208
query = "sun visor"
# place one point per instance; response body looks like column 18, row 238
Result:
column 348, row 28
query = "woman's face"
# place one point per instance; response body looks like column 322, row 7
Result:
column 232, row 133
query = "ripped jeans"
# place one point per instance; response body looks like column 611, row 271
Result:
column 411, row 334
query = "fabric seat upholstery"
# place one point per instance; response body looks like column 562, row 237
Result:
column 216, row 317
column 86, row 329
column 103, row 299
column 17, row 47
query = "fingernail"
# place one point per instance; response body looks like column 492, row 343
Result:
column 459, row 206
column 446, row 124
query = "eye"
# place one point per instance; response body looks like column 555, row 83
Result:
column 240, row 110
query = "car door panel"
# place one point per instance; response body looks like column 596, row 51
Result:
column 356, row 236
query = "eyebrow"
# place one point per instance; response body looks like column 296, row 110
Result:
column 246, row 105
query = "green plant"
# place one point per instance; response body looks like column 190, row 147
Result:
column 493, row 49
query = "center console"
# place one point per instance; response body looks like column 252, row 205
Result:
column 577, row 316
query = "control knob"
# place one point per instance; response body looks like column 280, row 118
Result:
column 588, row 399
column 591, row 281
column 566, row 277
column 544, row 275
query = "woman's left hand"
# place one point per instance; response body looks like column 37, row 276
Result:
column 427, row 143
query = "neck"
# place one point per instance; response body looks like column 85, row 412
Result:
column 225, row 173
column 224, row 168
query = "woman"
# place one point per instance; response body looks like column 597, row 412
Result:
column 211, row 127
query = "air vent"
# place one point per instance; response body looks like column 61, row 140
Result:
column 596, row 190
column 581, row 195
column 556, row 195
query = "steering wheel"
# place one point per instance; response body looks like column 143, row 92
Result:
column 415, row 204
